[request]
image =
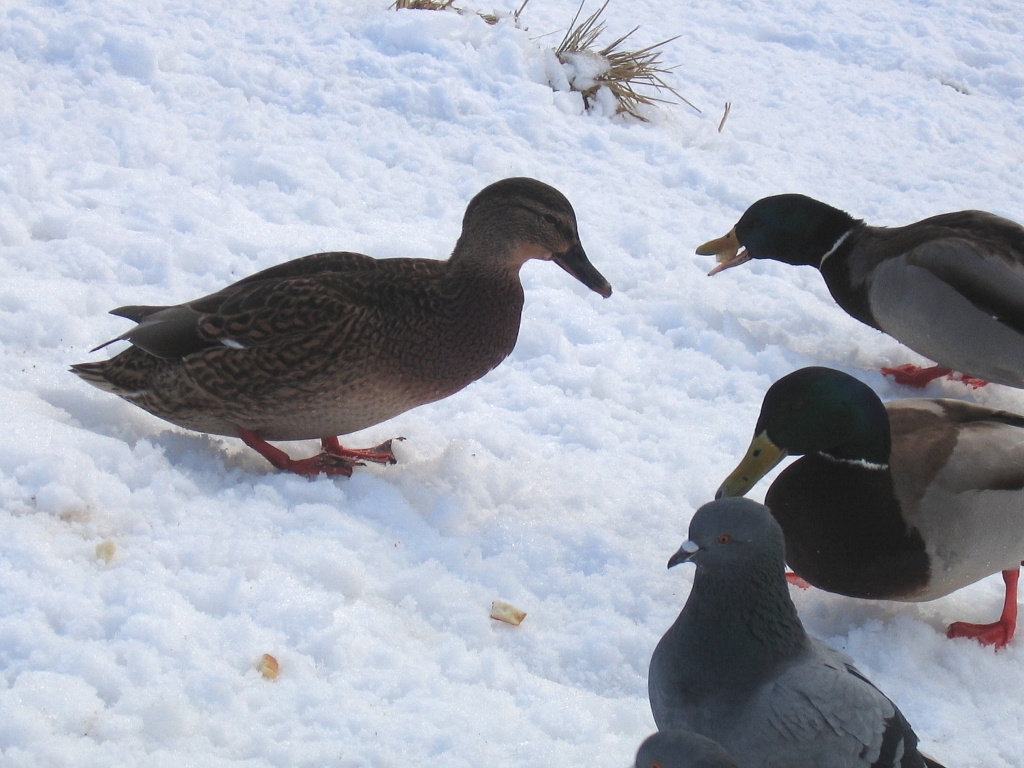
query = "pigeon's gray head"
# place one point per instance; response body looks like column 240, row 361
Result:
column 682, row 749
column 728, row 532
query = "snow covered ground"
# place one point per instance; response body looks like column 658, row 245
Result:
column 154, row 151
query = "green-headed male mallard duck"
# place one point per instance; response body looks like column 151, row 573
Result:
column 950, row 287
column 333, row 343
column 910, row 500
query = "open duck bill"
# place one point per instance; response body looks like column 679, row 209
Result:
column 726, row 250
column 575, row 262
column 760, row 459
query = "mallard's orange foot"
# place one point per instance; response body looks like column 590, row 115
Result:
column 972, row 381
column 796, row 581
column 379, row 454
column 321, row 464
column 324, row 463
column 998, row 633
column 915, row 376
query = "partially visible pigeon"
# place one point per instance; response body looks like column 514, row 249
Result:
column 737, row 666
column 682, row 749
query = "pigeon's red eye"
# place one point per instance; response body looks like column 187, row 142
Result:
column 724, row 538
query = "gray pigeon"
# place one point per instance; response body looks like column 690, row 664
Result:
column 682, row 749
column 737, row 666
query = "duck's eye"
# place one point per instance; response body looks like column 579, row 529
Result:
column 724, row 538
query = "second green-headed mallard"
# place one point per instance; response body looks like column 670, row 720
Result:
column 333, row 343
column 910, row 500
column 950, row 287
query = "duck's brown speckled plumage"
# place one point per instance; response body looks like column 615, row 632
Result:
column 332, row 343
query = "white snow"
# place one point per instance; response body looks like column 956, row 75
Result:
column 153, row 152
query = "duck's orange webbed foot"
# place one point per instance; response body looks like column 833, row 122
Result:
column 915, row 376
column 797, row 581
column 972, row 381
column 379, row 454
column 333, row 459
column 998, row 633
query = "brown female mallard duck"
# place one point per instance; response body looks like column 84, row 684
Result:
column 333, row 343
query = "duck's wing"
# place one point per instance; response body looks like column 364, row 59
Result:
column 316, row 264
column 980, row 256
column 961, row 446
column 951, row 288
column 289, row 300
column 958, row 473
column 822, row 711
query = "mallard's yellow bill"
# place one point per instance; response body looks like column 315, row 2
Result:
column 761, row 457
column 726, row 250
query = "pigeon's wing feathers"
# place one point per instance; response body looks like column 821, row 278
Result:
column 823, row 705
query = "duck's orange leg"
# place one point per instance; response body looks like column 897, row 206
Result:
column 998, row 633
column 332, row 460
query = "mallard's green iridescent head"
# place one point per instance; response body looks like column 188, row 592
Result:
column 795, row 229
column 813, row 410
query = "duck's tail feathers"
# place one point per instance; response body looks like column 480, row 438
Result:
column 94, row 373
column 136, row 312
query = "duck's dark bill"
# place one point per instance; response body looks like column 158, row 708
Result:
column 726, row 250
column 575, row 262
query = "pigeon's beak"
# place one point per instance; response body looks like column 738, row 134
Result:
column 683, row 555
column 726, row 250
column 575, row 262
column 761, row 458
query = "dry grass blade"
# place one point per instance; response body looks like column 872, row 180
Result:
column 579, row 38
column 725, row 115
column 623, row 71
column 426, row 5
column 494, row 18
column 449, row 5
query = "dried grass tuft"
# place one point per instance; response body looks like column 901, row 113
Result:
column 621, row 72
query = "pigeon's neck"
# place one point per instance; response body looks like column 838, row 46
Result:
column 741, row 619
